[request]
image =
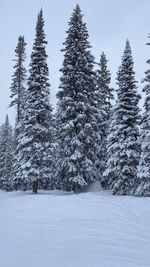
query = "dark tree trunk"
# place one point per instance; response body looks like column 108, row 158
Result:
column 35, row 187
column 75, row 188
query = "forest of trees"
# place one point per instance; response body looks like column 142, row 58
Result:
column 91, row 136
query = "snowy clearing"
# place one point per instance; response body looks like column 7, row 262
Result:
column 66, row 230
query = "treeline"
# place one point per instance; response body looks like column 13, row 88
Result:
column 88, row 138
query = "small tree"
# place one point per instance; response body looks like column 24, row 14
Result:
column 123, row 143
column 6, row 151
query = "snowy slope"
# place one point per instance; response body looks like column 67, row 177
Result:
column 65, row 230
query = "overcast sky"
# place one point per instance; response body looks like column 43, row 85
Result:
column 109, row 22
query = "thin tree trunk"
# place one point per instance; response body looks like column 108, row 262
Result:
column 75, row 188
column 35, row 187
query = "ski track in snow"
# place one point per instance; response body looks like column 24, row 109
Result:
column 54, row 229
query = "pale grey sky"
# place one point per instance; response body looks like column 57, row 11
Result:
column 109, row 22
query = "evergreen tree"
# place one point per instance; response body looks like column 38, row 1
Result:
column 6, row 147
column 123, row 143
column 18, row 92
column 18, row 183
column 77, row 113
column 56, row 182
column 104, row 97
column 35, row 140
column 19, row 78
column 1, row 156
column 144, row 164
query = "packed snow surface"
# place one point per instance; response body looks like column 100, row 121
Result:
column 54, row 229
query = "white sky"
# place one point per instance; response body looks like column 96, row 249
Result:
column 109, row 22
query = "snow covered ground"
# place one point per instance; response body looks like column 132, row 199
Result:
column 66, row 230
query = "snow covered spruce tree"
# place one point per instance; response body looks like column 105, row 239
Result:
column 18, row 92
column 123, row 144
column 104, row 97
column 19, row 78
column 6, row 147
column 77, row 113
column 35, row 141
column 144, row 164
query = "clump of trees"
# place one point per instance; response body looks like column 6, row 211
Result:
column 89, row 137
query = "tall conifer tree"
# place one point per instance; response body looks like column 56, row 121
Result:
column 77, row 112
column 19, row 78
column 35, row 141
column 104, row 97
column 144, row 164
column 18, row 92
column 123, row 143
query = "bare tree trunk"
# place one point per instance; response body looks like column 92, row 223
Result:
column 75, row 188
column 35, row 187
